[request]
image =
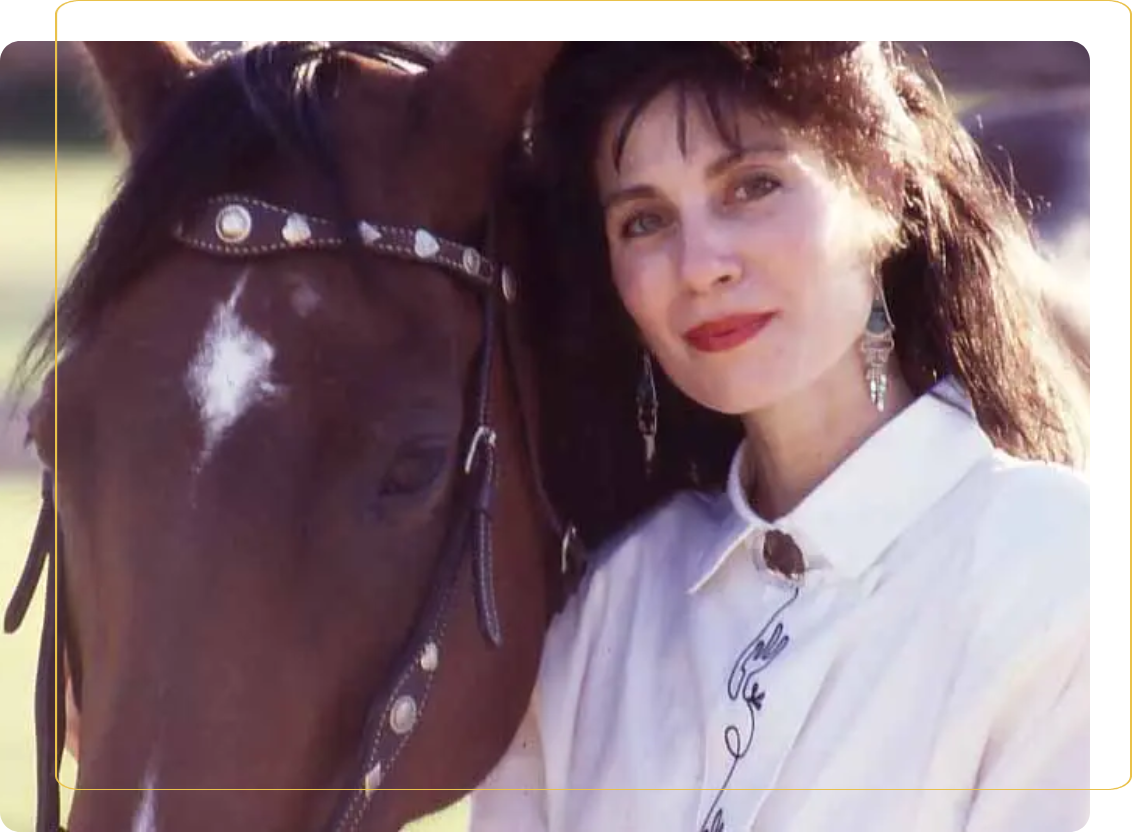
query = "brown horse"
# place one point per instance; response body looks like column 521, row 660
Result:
column 286, row 397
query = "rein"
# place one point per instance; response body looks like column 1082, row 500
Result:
column 240, row 226
column 50, row 696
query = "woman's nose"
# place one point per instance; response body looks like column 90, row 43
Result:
column 707, row 259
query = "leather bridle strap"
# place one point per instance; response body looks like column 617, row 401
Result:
column 50, row 693
column 233, row 225
column 572, row 552
column 38, row 554
column 394, row 714
column 479, row 466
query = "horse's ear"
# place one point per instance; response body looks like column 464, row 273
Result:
column 492, row 82
column 477, row 96
column 136, row 79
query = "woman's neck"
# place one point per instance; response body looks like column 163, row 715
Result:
column 793, row 445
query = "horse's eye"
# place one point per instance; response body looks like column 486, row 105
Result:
column 415, row 468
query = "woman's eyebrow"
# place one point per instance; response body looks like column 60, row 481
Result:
column 629, row 194
column 716, row 168
column 728, row 160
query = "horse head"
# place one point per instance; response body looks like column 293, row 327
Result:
column 286, row 415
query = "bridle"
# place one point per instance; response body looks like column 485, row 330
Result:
column 240, row 226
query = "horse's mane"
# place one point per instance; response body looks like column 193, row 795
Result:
column 224, row 124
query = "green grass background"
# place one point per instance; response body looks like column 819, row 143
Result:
column 27, row 285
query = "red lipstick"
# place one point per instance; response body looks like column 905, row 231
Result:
column 727, row 333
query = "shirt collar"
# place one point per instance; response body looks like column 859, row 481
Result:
column 879, row 491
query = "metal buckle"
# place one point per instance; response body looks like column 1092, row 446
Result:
column 483, row 434
column 567, row 541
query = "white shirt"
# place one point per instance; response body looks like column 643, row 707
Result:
column 938, row 640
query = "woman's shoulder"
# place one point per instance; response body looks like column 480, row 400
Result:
column 1023, row 596
column 1039, row 505
column 1032, row 538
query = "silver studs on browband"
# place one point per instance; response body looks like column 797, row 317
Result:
column 233, row 224
column 471, row 261
column 368, row 233
column 424, row 244
column 296, row 230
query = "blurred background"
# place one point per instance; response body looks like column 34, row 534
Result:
column 1027, row 102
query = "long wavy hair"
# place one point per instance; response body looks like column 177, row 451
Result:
column 954, row 274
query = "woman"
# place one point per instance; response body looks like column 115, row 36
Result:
column 784, row 320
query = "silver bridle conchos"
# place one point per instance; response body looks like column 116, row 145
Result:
column 242, row 226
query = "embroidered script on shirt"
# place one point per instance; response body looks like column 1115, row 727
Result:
column 743, row 685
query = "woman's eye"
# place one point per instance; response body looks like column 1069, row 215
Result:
column 750, row 188
column 642, row 224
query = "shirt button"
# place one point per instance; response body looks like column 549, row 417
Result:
column 782, row 554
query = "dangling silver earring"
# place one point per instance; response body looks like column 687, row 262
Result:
column 877, row 346
column 647, row 409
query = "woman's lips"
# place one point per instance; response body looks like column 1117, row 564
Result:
column 727, row 333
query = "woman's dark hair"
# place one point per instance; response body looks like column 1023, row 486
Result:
column 953, row 276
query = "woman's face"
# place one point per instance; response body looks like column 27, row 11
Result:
column 748, row 274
